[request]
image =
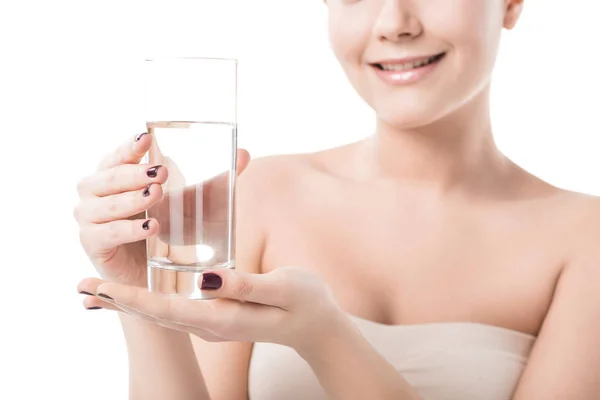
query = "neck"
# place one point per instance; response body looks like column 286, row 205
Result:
column 455, row 151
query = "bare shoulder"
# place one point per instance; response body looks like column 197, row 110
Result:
column 571, row 221
column 583, row 213
column 265, row 192
column 273, row 173
column 272, row 170
column 579, row 234
column 585, row 233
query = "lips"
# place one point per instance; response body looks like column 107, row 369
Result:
column 407, row 70
column 408, row 63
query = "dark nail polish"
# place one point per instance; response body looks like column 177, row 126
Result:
column 146, row 225
column 211, row 281
column 153, row 172
column 138, row 137
column 146, row 191
column 104, row 296
column 86, row 293
column 94, row 308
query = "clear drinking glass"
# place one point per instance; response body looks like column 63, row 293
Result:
column 191, row 116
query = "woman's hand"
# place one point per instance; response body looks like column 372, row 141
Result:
column 288, row 306
column 113, row 201
column 110, row 214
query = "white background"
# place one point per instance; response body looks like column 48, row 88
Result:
column 70, row 92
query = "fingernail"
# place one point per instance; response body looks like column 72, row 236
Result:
column 146, row 191
column 86, row 293
column 104, row 296
column 94, row 308
column 146, row 225
column 138, row 137
column 211, row 281
column 153, row 172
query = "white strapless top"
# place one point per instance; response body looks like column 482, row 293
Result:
column 442, row 361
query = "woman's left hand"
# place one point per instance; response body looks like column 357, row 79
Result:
column 288, row 306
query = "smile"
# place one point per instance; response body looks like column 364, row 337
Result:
column 406, row 71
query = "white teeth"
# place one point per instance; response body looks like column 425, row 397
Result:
column 409, row 65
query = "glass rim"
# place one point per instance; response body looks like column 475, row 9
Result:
column 191, row 58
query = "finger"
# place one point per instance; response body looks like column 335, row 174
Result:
column 117, row 206
column 243, row 159
column 206, row 335
column 88, row 287
column 121, row 178
column 96, row 238
column 160, row 322
column 268, row 289
column 173, row 309
column 214, row 321
column 92, row 302
column 130, row 152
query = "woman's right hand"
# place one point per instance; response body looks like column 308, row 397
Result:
column 110, row 214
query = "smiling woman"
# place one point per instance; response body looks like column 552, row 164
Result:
column 426, row 263
column 447, row 47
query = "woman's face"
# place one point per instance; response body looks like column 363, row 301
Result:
column 415, row 61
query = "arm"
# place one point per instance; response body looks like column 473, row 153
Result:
column 181, row 366
column 348, row 367
column 225, row 365
column 164, row 358
column 565, row 361
column 564, row 364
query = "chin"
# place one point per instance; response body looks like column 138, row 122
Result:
column 410, row 111
column 408, row 118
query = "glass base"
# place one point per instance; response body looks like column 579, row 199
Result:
column 181, row 280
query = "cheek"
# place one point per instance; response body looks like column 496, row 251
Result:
column 463, row 18
column 348, row 43
column 472, row 28
column 348, row 40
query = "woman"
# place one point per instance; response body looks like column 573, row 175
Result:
column 426, row 264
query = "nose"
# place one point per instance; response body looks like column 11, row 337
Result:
column 397, row 22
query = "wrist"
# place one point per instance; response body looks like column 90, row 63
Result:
column 339, row 331
column 347, row 366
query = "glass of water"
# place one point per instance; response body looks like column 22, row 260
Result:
column 191, row 115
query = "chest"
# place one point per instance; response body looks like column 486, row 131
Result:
column 411, row 264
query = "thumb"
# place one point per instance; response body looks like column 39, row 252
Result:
column 243, row 159
column 267, row 289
